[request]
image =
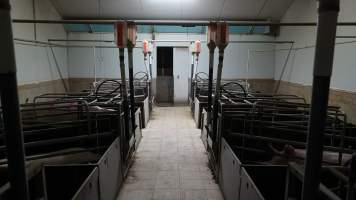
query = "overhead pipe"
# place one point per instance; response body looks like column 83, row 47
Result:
column 187, row 41
column 346, row 37
column 324, row 55
column 50, row 44
column 71, row 40
column 10, row 105
column 176, row 22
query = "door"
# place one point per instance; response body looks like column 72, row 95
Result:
column 164, row 83
column 181, row 72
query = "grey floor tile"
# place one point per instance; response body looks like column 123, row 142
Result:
column 167, row 194
column 194, row 195
column 214, row 195
column 171, row 162
column 136, row 195
column 192, row 184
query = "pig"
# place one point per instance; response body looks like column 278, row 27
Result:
column 291, row 154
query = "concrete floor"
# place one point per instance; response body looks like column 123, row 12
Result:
column 171, row 162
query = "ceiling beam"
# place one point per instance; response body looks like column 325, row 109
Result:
column 176, row 22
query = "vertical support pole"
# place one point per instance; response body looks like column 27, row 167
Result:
column 217, row 93
column 131, row 42
column 150, row 63
column 150, row 68
column 323, row 63
column 132, row 89
column 212, row 47
column 352, row 179
column 221, row 40
column 94, row 57
column 124, row 92
column 247, row 69
column 10, row 105
column 196, row 65
column 195, row 49
column 147, row 50
column 192, row 91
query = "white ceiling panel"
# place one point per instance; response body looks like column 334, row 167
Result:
column 173, row 9
column 159, row 9
column 76, row 8
column 275, row 9
column 114, row 8
column 201, row 9
column 241, row 8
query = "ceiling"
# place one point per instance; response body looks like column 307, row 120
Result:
column 173, row 9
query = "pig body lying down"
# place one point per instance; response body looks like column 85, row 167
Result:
column 289, row 154
column 33, row 167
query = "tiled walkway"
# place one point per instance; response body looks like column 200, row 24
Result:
column 170, row 163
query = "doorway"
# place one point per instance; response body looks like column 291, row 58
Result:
column 165, row 80
column 181, row 75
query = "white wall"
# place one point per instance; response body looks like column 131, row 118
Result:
column 36, row 64
column 300, row 66
column 262, row 64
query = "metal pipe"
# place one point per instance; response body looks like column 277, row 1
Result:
column 352, row 179
column 324, row 54
column 60, row 45
column 176, row 22
column 64, row 140
column 187, row 41
column 150, row 84
column 212, row 47
column 132, row 89
column 346, row 37
column 124, row 94
column 247, row 69
column 53, row 154
column 94, row 57
column 217, row 138
column 59, row 70
column 298, row 171
column 34, row 17
column 150, row 64
column 192, row 78
column 283, row 69
column 10, row 107
column 285, row 141
column 67, row 40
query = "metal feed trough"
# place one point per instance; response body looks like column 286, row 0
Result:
column 77, row 145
